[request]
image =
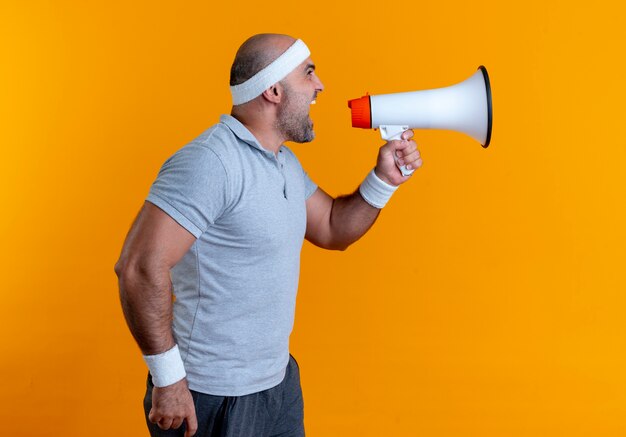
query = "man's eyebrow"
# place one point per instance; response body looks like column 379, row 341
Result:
column 311, row 66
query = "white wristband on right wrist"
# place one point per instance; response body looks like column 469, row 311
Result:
column 166, row 368
column 375, row 191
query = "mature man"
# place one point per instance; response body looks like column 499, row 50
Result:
column 222, row 229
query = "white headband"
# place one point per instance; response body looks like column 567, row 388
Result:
column 275, row 72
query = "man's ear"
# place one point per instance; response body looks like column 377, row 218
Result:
column 274, row 93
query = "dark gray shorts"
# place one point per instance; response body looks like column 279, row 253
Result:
column 276, row 412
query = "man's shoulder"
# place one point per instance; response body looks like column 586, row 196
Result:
column 216, row 144
column 210, row 149
column 218, row 138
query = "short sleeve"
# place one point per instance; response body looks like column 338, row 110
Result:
column 192, row 188
column 309, row 185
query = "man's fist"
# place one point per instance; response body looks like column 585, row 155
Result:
column 172, row 405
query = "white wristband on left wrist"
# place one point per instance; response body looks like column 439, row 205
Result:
column 166, row 368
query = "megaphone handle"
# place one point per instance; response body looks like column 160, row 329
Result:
column 390, row 133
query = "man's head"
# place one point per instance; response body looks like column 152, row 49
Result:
column 256, row 53
column 273, row 75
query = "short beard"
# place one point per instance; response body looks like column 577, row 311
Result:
column 292, row 118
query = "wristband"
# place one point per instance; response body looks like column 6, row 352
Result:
column 375, row 191
column 166, row 368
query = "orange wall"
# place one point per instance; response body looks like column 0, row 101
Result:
column 487, row 301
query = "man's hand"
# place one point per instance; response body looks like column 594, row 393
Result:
column 406, row 153
column 172, row 405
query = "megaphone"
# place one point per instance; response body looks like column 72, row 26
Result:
column 465, row 107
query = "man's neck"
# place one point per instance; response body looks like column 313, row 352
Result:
column 263, row 130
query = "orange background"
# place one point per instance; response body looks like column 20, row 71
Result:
column 489, row 298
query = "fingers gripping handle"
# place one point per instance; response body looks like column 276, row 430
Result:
column 390, row 133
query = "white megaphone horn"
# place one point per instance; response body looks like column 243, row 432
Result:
column 465, row 107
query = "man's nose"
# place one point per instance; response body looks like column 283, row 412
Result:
column 319, row 86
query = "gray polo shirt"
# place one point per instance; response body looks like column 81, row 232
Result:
column 236, row 286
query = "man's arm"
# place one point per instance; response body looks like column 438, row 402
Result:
column 155, row 243
column 337, row 223
column 153, row 246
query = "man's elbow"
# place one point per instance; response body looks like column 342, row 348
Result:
column 119, row 268
column 329, row 241
column 125, row 268
column 342, row 247
column 339, row 245
column 131, row 271
column 124, row 277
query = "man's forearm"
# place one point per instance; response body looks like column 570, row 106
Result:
column 350, row 218
column 147, row 303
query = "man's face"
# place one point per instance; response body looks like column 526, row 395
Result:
column 300, row 91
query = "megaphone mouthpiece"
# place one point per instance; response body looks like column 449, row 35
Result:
column 361, row 112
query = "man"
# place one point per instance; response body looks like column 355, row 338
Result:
column 226, row 218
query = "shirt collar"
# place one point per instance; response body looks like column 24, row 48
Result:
column 243, row 133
